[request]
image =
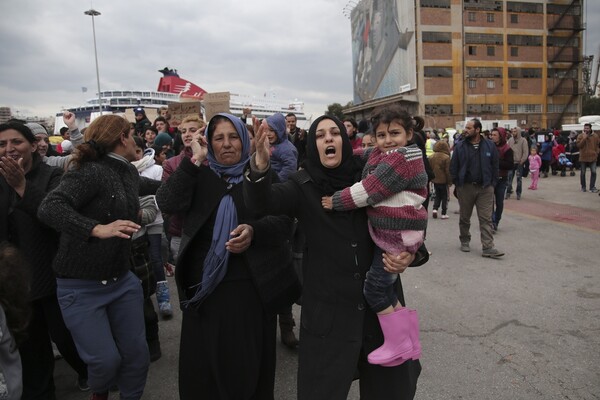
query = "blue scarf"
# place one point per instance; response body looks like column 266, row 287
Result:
column 215, row 263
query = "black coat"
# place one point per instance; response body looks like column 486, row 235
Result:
column 20, row 225
column 195, row 193
column 338, row 329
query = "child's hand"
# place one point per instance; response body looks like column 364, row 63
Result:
column 327, row 202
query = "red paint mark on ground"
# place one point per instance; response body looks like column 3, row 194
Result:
column 556, row 212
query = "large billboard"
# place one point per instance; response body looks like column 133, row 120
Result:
column 383, row 48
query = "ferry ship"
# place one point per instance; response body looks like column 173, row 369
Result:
column 173, row 89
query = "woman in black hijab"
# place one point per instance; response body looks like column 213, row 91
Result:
column 338, row 329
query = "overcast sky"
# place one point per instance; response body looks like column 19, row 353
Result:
column 297, row 49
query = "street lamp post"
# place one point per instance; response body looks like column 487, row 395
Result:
column 93, row 13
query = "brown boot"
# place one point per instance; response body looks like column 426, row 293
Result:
column 286, row 325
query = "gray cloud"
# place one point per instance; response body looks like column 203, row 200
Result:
column 299, row 50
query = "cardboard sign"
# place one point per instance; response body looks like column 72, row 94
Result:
column 215, row 103
column 179, row 111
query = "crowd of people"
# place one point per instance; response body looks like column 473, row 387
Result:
column 250, row 216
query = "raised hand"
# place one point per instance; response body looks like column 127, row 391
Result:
column 199, row 149
column 263, row 153
column 69, row 120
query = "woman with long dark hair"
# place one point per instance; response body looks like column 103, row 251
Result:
column 24, row 182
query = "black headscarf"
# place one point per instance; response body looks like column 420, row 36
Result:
column 330, row 180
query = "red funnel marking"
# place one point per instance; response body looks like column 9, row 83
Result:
column 182, row 87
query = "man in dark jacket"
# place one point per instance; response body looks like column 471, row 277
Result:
column 474, row 170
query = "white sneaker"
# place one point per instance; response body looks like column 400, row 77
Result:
column 444, row 216
column 434, row 214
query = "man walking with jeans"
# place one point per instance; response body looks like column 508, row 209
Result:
column 588, row 142
column 474, row 170
column 518, row 144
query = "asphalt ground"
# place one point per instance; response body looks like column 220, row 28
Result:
column 523, row 327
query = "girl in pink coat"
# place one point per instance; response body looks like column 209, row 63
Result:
column 535, row 162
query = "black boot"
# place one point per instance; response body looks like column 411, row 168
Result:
column 286, row 325
column 154, row 349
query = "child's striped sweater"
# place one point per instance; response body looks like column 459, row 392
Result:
column 394, row 184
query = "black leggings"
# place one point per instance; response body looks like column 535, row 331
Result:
column 441, row 197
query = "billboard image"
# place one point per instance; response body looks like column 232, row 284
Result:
column 383, row 48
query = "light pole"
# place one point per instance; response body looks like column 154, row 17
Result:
column 93, row 13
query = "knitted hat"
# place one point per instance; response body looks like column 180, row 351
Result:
column 139, row 110
column 66, row 146
column 163, row 139
column 36, row 129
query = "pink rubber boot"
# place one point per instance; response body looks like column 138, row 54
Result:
column 415, row 354
column 414, row 334
column 396, row 335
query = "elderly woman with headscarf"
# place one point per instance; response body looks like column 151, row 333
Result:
column 338, row 329
column 231, row 272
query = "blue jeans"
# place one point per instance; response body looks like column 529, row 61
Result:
column 155, row 250
column 511, row 174
column 499, row 200
column 379, row 284
column 107, row 324
column 592, row 167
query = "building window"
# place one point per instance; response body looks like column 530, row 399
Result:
column 472, row 50
column 484, row 72
column 437, row 37
column 491, row 51
column 524, row 7
column 514, row 18
column 472, row 83
column 472, row 17
column 514, row 83
column 514, row 52
column 524, row 72
column 483, row 38
column 484, row 108
column 558, row 108
column 490, row 17
column 483, row 5
column 438, row 109
column 438, row 72
column 567, row 9
column 435, row 3
column 524, row 108
column 524, row 40
column 491, row 84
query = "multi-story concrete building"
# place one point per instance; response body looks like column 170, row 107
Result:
column 5, row 114
column 491, row 59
